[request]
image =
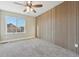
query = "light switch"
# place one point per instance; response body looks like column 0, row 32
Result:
column 76, row 45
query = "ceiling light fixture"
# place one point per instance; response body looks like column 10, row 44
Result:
column 29, row 6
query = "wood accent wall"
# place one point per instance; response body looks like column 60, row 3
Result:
column 71, row 17
column 44, row 22
column 60, row 25
column 77, row 11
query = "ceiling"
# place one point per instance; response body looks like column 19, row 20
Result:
column 10, row 6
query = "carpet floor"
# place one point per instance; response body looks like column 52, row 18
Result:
column 33, row 48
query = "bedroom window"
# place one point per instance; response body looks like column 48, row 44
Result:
column 15, row 25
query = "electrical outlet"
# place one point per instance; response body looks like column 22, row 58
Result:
column 76, row 45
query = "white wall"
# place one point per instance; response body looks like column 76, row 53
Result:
column 29, row 27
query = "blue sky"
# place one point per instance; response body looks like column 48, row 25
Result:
column 19, row 22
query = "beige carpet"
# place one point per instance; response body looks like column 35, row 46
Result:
column 33, row 48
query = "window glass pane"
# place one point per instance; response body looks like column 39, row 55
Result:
column 11, row 24
column 20, row 25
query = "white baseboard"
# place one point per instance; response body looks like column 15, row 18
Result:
column 24, row 38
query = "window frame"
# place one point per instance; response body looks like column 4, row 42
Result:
column 16, row 25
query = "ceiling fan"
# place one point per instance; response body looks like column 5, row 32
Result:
column 29, row 6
